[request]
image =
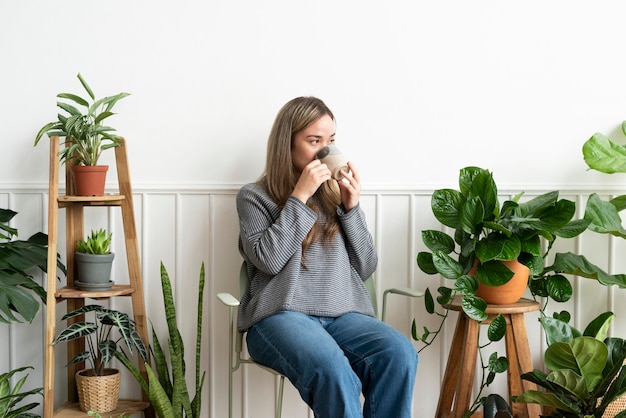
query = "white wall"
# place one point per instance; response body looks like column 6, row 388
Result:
column 420, row 89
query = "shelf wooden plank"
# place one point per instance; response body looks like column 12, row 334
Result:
column 124, row 407
column 106, row 200
column 73, row 293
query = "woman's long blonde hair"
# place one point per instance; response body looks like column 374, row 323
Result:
column 280, row 175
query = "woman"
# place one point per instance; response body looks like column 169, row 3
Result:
column 307, row 249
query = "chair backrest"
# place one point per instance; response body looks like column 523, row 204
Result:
column 244, row 283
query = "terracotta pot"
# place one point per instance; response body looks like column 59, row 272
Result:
column 98, row 393
column 508, row 293
column 89, row 180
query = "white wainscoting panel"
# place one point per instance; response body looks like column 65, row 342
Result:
column 183, row 229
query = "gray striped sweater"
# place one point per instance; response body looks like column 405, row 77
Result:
column 270, row 241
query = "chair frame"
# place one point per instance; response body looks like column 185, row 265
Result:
column 236, row 356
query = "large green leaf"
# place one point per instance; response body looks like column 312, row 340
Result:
column 603, row 217
column 558, row 331
column 584, row 356
column 602, row 154
column 472, row 215
column 446, row 206
column 558, row 288
column 493, row 273
column 498, row 246
column 578, row 265
column 547, row 399
column 599, row 326
column 438, row 241
column 474, row 307
column 447, row 266
column 15, row 297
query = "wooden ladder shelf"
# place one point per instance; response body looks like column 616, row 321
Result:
column 75, row 298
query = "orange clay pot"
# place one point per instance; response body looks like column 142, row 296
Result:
column 508, row 293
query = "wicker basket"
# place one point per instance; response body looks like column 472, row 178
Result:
column 98, row 393
column 615, row 407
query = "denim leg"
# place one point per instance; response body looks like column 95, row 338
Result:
column 299, row 347
column 383, row 358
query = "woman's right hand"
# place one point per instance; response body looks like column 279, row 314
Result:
column 314, row 174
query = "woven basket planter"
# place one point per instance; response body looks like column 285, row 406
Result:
column 98, row 393
column 615, row 407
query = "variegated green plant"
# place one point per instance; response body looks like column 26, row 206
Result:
column 102, row 345
column 86, row 136
column 166, row 385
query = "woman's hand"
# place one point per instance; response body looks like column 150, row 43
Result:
column 314, row 174
column 350, row 188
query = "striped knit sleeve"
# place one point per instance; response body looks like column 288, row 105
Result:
column 360, row 244
column 270, row 236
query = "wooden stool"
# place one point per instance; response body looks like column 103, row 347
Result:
column 456, row 390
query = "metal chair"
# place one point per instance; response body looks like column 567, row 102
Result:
column 236, row 355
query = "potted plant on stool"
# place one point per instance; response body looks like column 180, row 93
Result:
column 85, row 137
column 94, row 260
column 98, row 386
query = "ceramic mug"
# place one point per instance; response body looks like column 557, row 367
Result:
column 334, row 159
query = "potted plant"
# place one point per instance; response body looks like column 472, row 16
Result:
column 94, row 260
column 487, row 235
column 85, row 135
column 101, row 347
column 587, row 372
column 166, row 383
column 21, row 294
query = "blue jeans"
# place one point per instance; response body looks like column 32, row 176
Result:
column 332, row 360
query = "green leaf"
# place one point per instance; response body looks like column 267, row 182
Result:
column 438, row 241
column 445, row 295
column 493, row 273
column 466, row 285
column 498, row 246
column 547, row 399
column 446, row 205
column 497, row 328
column 474, row 307
column 573, row 229
column 429, row 303
column 559, row 288
column 602, row 154
column 578, row 265
column 472, row 215
column 446, row 265
column 603, row 217
column 558, row 331
column 571, row 382
column 583, row 356
column 498, row 364
column 599, row 327
column 425, row 263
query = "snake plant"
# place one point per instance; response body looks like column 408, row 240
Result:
column 166, row 385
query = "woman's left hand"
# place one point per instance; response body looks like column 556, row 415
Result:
column 350, row 188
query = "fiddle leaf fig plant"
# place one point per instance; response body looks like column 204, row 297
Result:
column 82, row 126
column 587, row 371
